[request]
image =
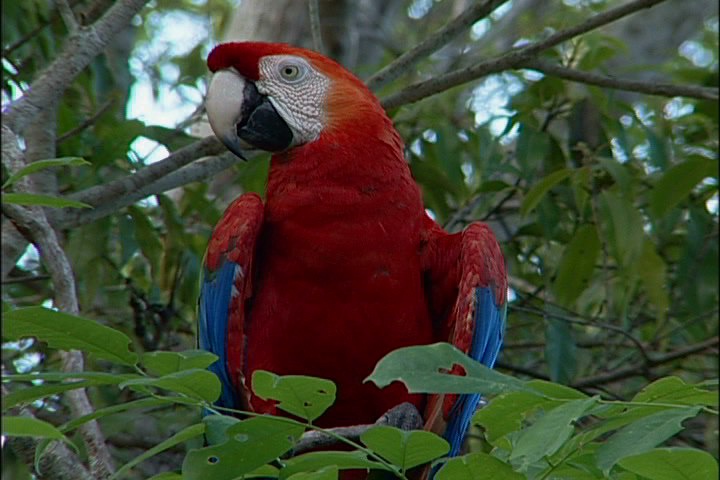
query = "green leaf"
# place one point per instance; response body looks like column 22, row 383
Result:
column 673, row 464
column 163, row 363
column 103, row 412
column 477, row 466
column 42, row 164
column 195, row 383
column 625, row 227
column 541, row 188
column 506, row 413
column 216, row 428
column 642, row 435
column 550, row 432
column 166, row 476
column 327, row 473
column 30, row 427
column 677, row 182
column 41, row 200
column 312, row 461
column 654, row 280
column 305, row 397
column 68, row 332
column 674, row 390
column 147, row 237
column 30, row 394
column 531, row 148
column 406, row 449
column 560, row 351
column 182, row 436
column 577, row 265
column 424, row 369
column 251, row 444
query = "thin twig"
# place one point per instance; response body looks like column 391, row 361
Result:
column 569, row 319
column 79, row 50
column 33, row 224
column 86, row 123
column 511, row 59
column 199, row 170
column 637, row 370
column 650, row 88
column 106, row 197
column 432, row 43
column 314, row 14
column 57, row 461
column 67, row 15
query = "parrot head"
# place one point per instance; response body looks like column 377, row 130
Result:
column 275, row 97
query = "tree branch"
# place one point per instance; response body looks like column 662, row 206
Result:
column 101, row 196
column 650, row 88
column 511, row 59
column 33, row 224
column 433, row 43
column 314, row 15
column 637, row 370
column 199, row 170
column 78, row 52
column 67, row 15
column 57, row 461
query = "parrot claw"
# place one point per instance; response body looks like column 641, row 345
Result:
column 404, row 416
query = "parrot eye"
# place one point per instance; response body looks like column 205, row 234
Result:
column 292, row 72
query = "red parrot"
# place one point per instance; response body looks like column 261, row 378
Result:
column 341, row 264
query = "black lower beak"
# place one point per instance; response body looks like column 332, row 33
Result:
column 260, row 124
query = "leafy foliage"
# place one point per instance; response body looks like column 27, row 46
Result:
column 605, row 203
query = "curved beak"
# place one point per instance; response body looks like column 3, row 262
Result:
column 242, row 118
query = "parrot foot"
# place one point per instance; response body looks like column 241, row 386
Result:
column 404, row 416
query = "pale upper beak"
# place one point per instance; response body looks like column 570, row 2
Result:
column 242, row 118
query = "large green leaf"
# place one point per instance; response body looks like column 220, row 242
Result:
column 642, row 435
column 424, row 369
column 506, row 413
column 624, row 227
column 306, row 397
column 312, row 461
column 406, row 449
column 37, row 199
column 541, row 188
column 163, row 363
column 477, row 466
column 673, row 464
column 653, row 277
column 677, row 182
column 195, row 383
column 576, row 268
column 560, row 351
column 68, row 332
column 250, row 444
column 43, row 164
column 549, row 433
column 326, row 473
column 30, row 427
column 673, row 390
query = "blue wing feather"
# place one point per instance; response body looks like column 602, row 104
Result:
column 487, row 341
column 214, row 306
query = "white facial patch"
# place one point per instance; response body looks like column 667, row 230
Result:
column 298, row 93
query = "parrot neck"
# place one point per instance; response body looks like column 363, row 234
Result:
column 361, row 165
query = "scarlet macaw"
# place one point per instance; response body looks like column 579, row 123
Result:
column 341, row 264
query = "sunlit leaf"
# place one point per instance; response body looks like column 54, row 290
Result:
column 406, row 449
column 68, row 332
column 672, row 464
column 306, row 397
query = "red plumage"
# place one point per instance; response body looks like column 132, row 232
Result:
column 342, row 265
